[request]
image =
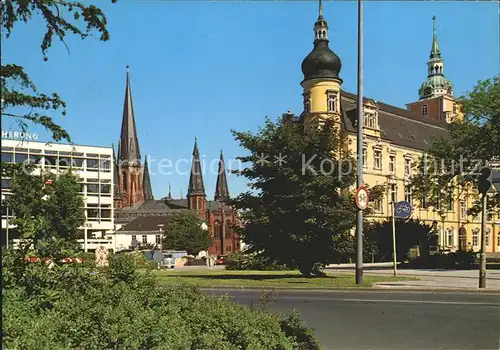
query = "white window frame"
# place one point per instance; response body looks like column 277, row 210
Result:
column 377, row 158
column 425, row 110
column 331, row 101
column 392, row 163
column 475, row 237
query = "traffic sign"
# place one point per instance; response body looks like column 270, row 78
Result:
column 362, row 198
column 402, row 209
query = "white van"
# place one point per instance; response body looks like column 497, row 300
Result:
column 168, row 261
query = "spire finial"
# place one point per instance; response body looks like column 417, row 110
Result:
column 320, row 9
column 435, row 52
column 128, row 68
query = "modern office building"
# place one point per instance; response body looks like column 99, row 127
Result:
column 93, row 166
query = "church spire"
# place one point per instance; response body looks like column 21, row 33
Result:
column 170, row 191
column 320, row 27
column 129, row 143
column 146, row 183
column 221, row 189
column 196, row 186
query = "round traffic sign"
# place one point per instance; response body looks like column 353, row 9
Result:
column 362, row 198
column 402, row 209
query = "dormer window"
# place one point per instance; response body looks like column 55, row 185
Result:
column 307, row 103
column 331, row 101
column 424, row 110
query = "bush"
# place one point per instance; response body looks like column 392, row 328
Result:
column 461, row 260
column 252, row 261
column 112, row 307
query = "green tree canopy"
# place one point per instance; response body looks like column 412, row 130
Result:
column 300, row 208
column 46, row 208
column 20, row 99
column 471, row 143
column 184, row 232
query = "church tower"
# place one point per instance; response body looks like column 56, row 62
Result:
column 321, row 84
column 196, row 196
column 436, row 99
column 129, row 156
column 221, row 188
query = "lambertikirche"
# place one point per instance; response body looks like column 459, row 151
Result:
column 139, row 216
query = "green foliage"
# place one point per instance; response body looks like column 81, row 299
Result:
column 252, row 261
column 409, row 233
column 47, row 215
column 460, row 260
column 453, row 160
column 299, row 211
column 18, row 91
column 65, row 308
column 184, row 232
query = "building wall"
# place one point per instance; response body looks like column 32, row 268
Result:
column 92, row 164
column 224, row 237
column 439, row 108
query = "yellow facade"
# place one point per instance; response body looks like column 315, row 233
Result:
column 390, row 159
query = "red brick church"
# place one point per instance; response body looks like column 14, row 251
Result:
column 139, row 214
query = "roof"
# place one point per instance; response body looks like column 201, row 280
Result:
column 196, row 185
column 221, row 188
column 398, row 126
column 147, row 223
column 129, row 144
column 146, row 183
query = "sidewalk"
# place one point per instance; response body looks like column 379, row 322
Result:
column 429, row 279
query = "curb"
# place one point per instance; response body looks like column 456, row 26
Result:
column 364, row 289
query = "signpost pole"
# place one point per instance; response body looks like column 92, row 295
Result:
column 482, row 271
column 394, row 238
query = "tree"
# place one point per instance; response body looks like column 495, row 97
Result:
column 453, row 161
column 300, row 209
column 184, row 232
column 20, row 99
column 46, row 208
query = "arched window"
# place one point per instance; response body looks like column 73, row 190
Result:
column 451, row 237
column 228, row 228
column 217, row 229
column 332, row 101
column 424, row 110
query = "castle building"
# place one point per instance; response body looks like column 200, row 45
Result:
column 140, row 218
column 394, row 139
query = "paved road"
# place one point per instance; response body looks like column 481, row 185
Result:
column 390, row 319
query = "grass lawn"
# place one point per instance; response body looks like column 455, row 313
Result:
column 270, row 279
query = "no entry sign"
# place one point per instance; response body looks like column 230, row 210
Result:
column 362, row 198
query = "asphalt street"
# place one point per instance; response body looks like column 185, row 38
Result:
column 391, row 319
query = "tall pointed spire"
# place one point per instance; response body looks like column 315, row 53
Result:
column 320, row 16
column 196, row 185
column 221, row 189
column 435, row 52
column 146, row 183
column 170, row 191
column 129, row 143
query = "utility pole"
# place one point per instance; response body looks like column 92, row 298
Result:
column 359, row 216
column 482, row 270
column 484, row 183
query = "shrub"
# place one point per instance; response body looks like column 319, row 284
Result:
column 252, row 261
column 118, row 307
column 461, row 260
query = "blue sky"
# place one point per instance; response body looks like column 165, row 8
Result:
column 203, row 68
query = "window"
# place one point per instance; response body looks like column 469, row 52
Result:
column 144, row 239
column 463, row 211
column 392, row 164
column 475, row 234
column 92, row 188
column 5, row 183
column 332, row 101
column 365, row 157
column 451, row 202
column 77, row 162
column 92, row 164
column 408, row 193
column 394, row 194
column 307, row 103
column 498, row 239
column 105, row 164
column 21, row 158
column 157, row 239
column 228, row 229
column 407, row 167
column 488, row 231
column 134, row 238
column 92, row 211
column 423, row 201
column 424, row 110
column 217, row 229
column 105, row 211
column 454, row 108
column 7, row 157
column 377, row 205
column 377, row 159
column 451, row 236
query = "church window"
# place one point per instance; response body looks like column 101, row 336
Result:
column 424, row 110
column 377, row 159
column 307, row 103
column 228, row 229
column 332, row 101
column 217, row 229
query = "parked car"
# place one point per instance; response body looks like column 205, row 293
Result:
column 168, row 261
